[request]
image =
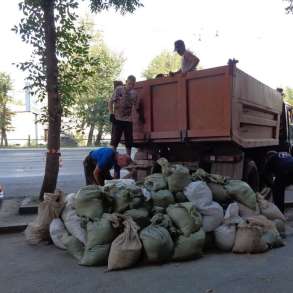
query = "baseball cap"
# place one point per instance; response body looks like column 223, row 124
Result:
column 178, row 44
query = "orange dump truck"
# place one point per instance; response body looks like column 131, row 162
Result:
column 221, row 119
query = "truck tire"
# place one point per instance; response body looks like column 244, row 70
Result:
column 251, row 175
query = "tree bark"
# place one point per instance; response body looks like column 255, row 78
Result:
column 2, row 137
column 99, row 135
column 54, row 103
column 90, row 136
column 5, row 138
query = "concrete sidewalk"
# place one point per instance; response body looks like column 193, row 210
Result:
column 10, row 219
column 46, row 269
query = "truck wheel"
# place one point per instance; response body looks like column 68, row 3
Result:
column 250, row 175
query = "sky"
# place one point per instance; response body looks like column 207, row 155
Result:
column 255, row 32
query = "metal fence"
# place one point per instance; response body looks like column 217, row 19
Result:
column 40, row 143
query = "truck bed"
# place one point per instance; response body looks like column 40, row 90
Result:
column 216, row 104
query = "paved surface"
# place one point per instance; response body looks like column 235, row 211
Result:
column 9, row 215
column 22, row 170
column 46, row 269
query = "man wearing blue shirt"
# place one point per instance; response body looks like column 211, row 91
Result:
column 279, row 165
column 99, row 162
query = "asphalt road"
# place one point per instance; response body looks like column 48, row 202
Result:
column 46, row 269
column 22, row 170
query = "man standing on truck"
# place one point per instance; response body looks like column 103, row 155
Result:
column 120, row 107
column 279, row 165
column 188, row 62
column 99, row 162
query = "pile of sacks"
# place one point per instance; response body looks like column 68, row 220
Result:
column 170, row 216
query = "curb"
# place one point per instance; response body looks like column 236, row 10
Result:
column 289, row 204
column 13, row 228
column 28, row 210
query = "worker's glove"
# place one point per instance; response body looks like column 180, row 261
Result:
column 112, row 118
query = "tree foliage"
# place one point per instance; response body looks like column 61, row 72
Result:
column 72, row 51
column 119, row 5
column 91, row 109
column 5, row 113
column 49, row 26
column 289, row 8
column 288, row 95
column 162, row 64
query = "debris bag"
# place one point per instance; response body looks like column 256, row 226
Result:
column 70, row 200
column 246, row 212
column 125, row 196
column 185, row 217
column 249, row 239
column 226, row 233
column 72, row 223
column 281, row 226
column 155, row 182
column 232, row 214
column 57, row 231
column 270, row 210
column 158, row 210
column 100, row 231
column 91, row 202
column 202, row 175
column 73, row 246
column 126, row 248
column 165, row 166
column 163, row 198
column 49, row 209
column 212, row 216
column 199, row 194
column 166, row 222
column 179, row 178
column 180, row 197
column 273, row 238
column 119, row 183
column 140, row 216
column 157, row 243
column 147, row 195
column 96, row 255
column 191, row 247
column 271, row 235
column 100, row 234
column 240, row 191
column 220, row 194
column 225, row 236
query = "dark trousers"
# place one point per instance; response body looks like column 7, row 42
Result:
column 89, row 166
column 119, row 128
column 279, row 186
column 279, row 194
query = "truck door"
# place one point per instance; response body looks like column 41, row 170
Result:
column 289, row 116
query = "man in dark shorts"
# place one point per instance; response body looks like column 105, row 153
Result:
column 99, row 162
column 120, row 107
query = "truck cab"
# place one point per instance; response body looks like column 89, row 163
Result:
column 286, row 128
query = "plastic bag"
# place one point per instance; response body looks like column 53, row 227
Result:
column 57, row 231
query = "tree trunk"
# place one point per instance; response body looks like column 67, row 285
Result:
column 90, row 136
column 5, row 138
column 99, row 135
column 54, row 103
column 2, row 137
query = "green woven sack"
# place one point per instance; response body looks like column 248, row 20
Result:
column 191, row 247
